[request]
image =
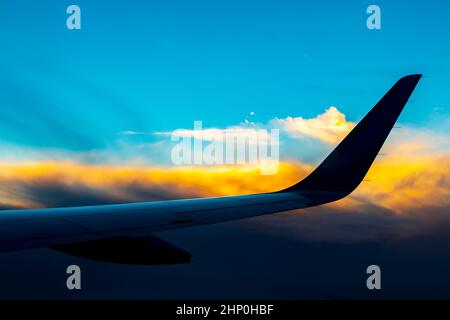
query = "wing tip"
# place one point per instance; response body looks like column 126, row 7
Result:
column 415, row 77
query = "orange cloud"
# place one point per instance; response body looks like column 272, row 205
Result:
column 395, row 183
column 132, row 183
column 404, row 184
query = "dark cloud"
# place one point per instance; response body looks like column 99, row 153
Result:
column 143, row 192
column 51, row 194
column 363, row 224
column 54, row 194
column 8, row 207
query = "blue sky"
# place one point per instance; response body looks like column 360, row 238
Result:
column 157, row 66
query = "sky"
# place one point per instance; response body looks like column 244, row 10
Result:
column 86, row 117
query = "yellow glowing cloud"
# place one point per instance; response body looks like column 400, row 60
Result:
column 396, row 183
column 403, row 184
column 116, row 181
column 330, row 126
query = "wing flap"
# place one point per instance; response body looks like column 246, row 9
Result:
column 149, row 250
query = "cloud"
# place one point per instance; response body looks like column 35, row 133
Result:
column 330, row 126
column 46, row 184
column 364, row 223
column 412, row 171
column 132, row 133
column 214, row 134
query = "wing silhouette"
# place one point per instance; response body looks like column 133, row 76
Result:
column 122, row 233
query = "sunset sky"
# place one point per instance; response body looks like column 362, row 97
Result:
column 82, row 111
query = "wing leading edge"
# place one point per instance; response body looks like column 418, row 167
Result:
column 336, row 177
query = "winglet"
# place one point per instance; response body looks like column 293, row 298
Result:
column 344, row 169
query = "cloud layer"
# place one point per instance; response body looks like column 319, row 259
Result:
column 396, row 182
column 329, row 127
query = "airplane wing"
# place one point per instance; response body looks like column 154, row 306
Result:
column 122, row 233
